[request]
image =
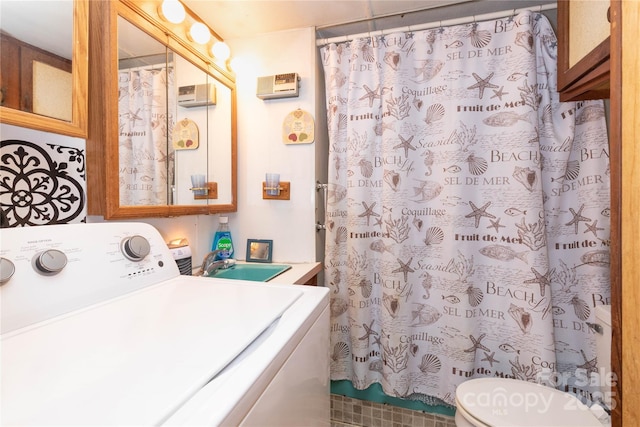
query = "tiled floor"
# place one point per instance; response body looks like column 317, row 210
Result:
column 348, row 412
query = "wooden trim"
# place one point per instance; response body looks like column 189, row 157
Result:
column 576, row 83
column 101, row 17
column 615, row 153
column 592, row 86
column 629, row 295
column 80, row 65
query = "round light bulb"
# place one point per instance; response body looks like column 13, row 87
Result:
column 172, row 11
column 237, row 64
column 200, row 33
column 221, row 51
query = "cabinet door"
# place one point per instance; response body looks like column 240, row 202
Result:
column 58, row 102
column 583, row 49
column 56, row 82
column 18, row 79
column 9, row 73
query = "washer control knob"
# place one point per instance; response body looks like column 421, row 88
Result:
column 135, row 248
column 7, row 268
column 49, row 262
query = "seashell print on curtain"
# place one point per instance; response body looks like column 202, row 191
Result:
column 468, row 211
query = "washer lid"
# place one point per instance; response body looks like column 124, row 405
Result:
column 507, row 402
column 133, row 360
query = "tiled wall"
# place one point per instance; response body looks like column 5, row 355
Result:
column 43, row 178
column 347, row 412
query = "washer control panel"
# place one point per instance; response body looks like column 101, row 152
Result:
column 7, row 268
column 47, row 271
column 135, row 248
column 49, row 262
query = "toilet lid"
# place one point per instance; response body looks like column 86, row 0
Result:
column 508, row 402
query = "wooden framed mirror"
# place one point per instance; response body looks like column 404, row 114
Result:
column 153, row 151
column 44, row 79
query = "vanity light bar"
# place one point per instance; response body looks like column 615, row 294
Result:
column 172, row 11
column 175, row 12
column 199, row 33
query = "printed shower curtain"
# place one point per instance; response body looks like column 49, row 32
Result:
column 468, row 211
column 145, row 120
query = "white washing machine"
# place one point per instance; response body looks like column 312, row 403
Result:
column 99, row 328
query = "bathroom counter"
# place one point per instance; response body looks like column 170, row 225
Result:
column 304, row 273
column 299, row 273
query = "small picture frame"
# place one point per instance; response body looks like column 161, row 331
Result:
column 259, row 250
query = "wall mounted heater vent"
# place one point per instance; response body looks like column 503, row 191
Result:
column 197, row 95
column 278, row 86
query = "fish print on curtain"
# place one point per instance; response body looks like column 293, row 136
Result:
column 145, row 120
column 468, row 211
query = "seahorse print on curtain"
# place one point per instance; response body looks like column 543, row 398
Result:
column 468, row 211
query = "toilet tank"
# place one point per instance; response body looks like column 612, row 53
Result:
column 603, row 350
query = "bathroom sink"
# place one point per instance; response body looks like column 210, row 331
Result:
column 253, row 272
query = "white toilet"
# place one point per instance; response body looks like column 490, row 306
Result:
column 493, row 402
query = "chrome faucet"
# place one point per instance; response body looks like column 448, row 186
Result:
column 210, row 265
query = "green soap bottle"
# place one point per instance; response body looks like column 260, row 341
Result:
column 222, row 240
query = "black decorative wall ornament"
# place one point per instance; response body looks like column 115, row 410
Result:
column 41, row 184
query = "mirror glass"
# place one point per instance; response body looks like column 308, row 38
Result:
column 43, row 80
column 174, row 126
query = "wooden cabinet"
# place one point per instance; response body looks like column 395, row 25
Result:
column 9, row 72
column 308, row 274
column 128, row 26
column 312, row 281
column 57, row 102
column 17, row 71
column 583, row 49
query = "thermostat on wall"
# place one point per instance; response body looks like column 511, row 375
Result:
column 278, row 86
column 197, row 95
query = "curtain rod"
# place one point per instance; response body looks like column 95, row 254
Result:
column 448, row 22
